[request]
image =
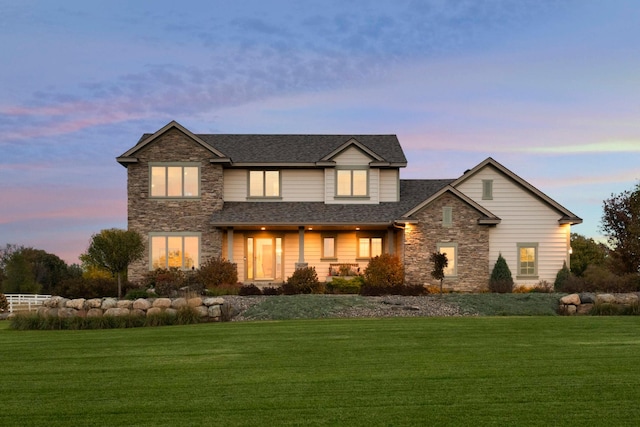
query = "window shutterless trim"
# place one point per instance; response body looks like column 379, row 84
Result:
column 166, row 166
column 530, row 245
column 166, row 235
column 264, row 185
column 352, row 196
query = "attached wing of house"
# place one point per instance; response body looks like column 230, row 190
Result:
column 273, row 203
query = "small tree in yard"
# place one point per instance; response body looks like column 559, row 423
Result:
column 114, row 250
column 440, row 262
column 501, row 280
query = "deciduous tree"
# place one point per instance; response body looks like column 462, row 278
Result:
column 586, row 252
column 114, row 250
column 621, row 224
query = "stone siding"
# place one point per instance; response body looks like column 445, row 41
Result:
column 421, row 241
column 147, row 215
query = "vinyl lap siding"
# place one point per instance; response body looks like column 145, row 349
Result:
column 235, row 185
column 525, row 219
column 389, row 184
column 302, row 185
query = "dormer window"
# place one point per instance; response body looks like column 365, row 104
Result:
column 351, row 182
column 264, row 184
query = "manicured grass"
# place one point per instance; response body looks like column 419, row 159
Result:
column 398, row 371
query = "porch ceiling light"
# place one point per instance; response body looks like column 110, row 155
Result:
column 263, row 228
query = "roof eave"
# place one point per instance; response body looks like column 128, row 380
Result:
column 124, row 161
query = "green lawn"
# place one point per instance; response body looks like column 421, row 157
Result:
column 408, row 371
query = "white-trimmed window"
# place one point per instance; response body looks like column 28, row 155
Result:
column 352, row 182
column 329, row 247
column 451, row 249
column 447, row 216
column 487, row 189
column 264, row 183
column 181, row 250
column 369, row 247
column 528, row 260
column 175, row 180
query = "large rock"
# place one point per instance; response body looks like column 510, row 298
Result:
column 108, row 303
column 605, row 299
column 571, row 309
column 626, row 299
column 587, row 297
column 124, row 303
column 153, row 311
column 214, row 311
column 55, row 302
column 116, row 311
column 94, row 312
column 584, row 308
column 141, row 304
column 573, row 299
column 77, row 303
column 171, row 311
column 138, row 312
column 213, row 301
column 178, row 302
column 66, row 312
column 194, row 302
column 162, row 303
column 93, row 303
column 202, row 311
column 42, row 311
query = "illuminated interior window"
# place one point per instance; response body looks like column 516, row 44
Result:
column 264, row 184
column 351, row 182
column 527, row 259
column 451, row 250
column 369, row 247
column 175, row 251
column 175, row 181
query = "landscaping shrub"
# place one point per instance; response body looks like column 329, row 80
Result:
column 29, row 321
column 187, row 316
column 250, row 289
column 165, row 281
column 600, row 279
column 4, row 304
column 81, row 287
column 561, row 277
column 501, row 280
column 303, row 281
column 605, row 309
column 270, row 290
column 631, row 310
column 217, row 271
column 216, row 291
column 339, row 285
column 384, row 271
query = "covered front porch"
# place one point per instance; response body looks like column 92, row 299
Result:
column 270, row 254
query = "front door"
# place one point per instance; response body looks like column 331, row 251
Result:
column 264, row 258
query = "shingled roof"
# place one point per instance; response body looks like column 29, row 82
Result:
column 412, row 192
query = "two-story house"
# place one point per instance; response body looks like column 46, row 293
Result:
column 273, row 203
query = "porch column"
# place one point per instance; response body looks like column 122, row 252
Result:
column 301, row 263
column 390, row 241
column 230, row 244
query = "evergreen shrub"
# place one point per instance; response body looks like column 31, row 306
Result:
column 501, row 280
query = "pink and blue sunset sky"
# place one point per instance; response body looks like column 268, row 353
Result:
column 550, row 89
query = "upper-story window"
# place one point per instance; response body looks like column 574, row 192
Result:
column 175, row 181
column 487, row 189
column 264, row 184
column 351, row 182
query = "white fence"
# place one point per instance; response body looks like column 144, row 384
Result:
column 25, row 301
